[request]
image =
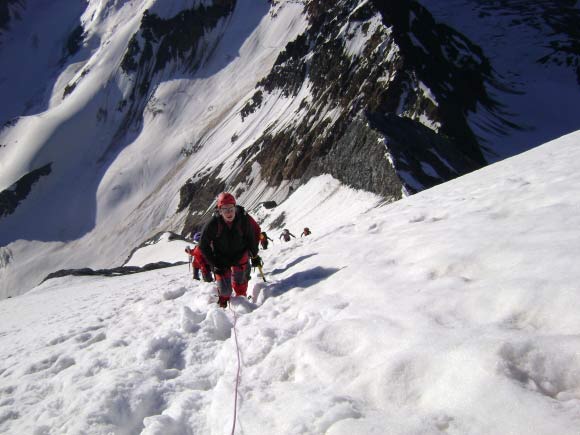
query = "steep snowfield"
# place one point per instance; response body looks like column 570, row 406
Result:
column 454, row 310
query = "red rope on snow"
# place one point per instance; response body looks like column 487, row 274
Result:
column 238, row 373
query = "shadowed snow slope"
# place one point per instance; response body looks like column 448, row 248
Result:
column 104, row 196
column 455, row 310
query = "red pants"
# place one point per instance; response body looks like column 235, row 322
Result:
column 205, row 273
column 235, row 277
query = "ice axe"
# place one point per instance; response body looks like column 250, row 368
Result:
column 262, row 273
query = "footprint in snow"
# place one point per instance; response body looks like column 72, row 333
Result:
column 242, row 305
column 174, row 293
column 218, row 324
column 190, row 320
column 55, row 364
column 93, row 339
column 81, row 337
column 41, row 365
column 417, row 218
column 8, row 415
column 257, row 290
column 168, row 349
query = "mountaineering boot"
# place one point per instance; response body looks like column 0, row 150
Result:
column 223, row 301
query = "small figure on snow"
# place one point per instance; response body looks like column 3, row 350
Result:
column 286, row 235
column 264, row 240
column 198, row 262
column 306, row 232
column 228, row 241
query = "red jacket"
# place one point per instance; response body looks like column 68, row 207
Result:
column 197, row 259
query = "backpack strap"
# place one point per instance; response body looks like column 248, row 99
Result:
column 220, row 227
column 243, row 222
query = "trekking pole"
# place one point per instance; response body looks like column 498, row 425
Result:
column 262, row 273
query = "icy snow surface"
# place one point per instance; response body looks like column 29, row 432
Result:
column 452, row 311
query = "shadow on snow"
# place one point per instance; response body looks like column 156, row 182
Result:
column 293, row 263
column 300, row 281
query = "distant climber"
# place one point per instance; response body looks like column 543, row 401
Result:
column 306, row 232
column 198, row 262
column 286, row 235
column 264, row 240
column 228, row 241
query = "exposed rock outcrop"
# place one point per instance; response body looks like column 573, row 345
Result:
column 387, row 95
column 11, row 197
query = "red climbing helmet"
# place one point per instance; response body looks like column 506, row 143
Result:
column 225, row 198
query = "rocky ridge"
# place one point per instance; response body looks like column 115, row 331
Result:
column 382, row 105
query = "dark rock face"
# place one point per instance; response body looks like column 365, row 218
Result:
column 357, row 158
column 454, row 68
column 289, row 71
column 11, row 197
column 269, row 204
column 74, row 41
column 5, row 8
column 350, row 151
column 116, row 271
column 251, row 106
column 197, row 195
column 415, row 147
column 160, row 41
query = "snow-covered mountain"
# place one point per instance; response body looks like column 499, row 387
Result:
column 451, row 311
column 122, row 119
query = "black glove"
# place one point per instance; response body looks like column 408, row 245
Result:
column 219, row 268
column 257, row 261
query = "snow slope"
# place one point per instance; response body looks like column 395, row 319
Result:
column 454, row 310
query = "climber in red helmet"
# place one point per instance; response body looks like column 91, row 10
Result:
column 228, row 242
